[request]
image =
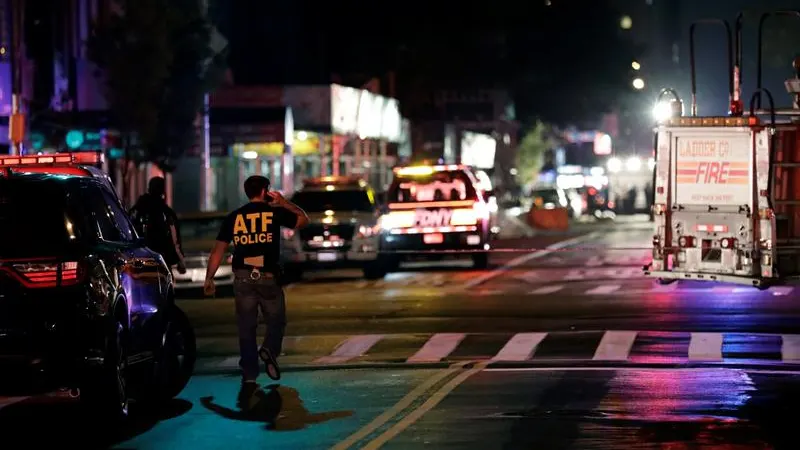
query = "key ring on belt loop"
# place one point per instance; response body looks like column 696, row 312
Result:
column 255, row 274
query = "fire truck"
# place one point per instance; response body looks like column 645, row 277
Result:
column 727, row 189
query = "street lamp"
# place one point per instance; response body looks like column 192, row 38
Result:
column 638, row 84
column 635, row 65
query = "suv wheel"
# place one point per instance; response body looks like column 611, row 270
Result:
column 104, row 392
column 177, row 358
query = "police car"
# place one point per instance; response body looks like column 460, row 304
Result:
column 85, row 308
column 437, row 207
column 343, row 231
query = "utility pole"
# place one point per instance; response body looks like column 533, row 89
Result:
column 16, row 123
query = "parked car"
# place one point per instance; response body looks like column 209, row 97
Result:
column 198, row 232
column 84, row 305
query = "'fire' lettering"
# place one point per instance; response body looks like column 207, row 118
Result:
column 713, row 172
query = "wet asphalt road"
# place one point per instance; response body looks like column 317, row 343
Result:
column 587, row 334
column 462, row 409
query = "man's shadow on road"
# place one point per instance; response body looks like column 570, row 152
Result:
column 280, row 408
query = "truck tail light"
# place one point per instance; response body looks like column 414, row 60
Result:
column 686, row 241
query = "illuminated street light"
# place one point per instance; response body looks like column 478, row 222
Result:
column 614, row 165
column 662, row 111
column 635, row 65
column 633, row 164
column 626, row 23
column 638, row 84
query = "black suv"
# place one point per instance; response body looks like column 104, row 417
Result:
column 84, row 305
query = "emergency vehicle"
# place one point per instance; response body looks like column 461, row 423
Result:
column 727, row 189
column 436, row 207
column 85, row 307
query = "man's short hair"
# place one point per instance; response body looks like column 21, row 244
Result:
column 157, row 186
column 255, row 185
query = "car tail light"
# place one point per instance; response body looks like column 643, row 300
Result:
column 686, row 241
column 728, row 243
column 366, row 231
column 43, row 275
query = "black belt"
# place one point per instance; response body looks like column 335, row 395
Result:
column 257, row 273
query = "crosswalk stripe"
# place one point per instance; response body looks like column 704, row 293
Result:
column 615, row 346
column 353, row 347
column 547, row 289
column 664, row 288
column 8, row 401
column 705, row 346
column 438, row 347
column 520, row 347
column 790, row 348
column 781, row 290
column 604, row 289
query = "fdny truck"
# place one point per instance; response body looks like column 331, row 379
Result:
column 727, row 189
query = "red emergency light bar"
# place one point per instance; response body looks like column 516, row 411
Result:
column 78, row 158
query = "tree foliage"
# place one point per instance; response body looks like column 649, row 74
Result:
column 154, row 57
column 531, row 151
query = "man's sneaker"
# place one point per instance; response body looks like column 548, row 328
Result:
column 273, row 370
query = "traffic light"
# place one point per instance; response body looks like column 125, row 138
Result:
column 74, row 139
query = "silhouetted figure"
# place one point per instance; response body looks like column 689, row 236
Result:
column 280, row 408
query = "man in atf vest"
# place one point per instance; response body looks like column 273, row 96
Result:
column 157, row 223
column 254, row 230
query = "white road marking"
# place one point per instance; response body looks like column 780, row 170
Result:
column 705, row 347
column 575, row 274
column 547, row 289
column 8, row 401
column 518, row 261
column 594, row 261
column 520, row 347
column 615, row 346
column 231, row 361
column 353, row 347
column 790, row 348
column 626, row 368
column 604, row 289
column 664, row 288
column 723, row 289
column 781, row 290
column 437, row 347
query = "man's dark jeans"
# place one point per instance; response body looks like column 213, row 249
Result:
column 263, row 293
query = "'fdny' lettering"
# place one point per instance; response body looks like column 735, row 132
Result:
column 714, row 172
column 434, row 218
column 252, row 228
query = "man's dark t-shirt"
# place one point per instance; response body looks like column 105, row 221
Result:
column 254, row 230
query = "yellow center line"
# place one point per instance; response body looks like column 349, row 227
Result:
column 416, row 414
column 404, row 403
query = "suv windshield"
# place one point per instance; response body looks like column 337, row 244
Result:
column 199, row 228
column 33, row 227
column 319, row 201
column 436, row 187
